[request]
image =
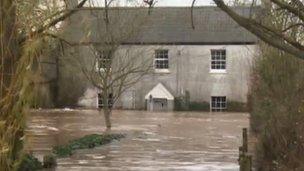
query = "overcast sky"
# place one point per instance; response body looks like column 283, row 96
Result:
column 182, row 2
column 162, row 2
column 159, row 2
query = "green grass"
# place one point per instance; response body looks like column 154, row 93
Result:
column 30, row 163
column 86, row 142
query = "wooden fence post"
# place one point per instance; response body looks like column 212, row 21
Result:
column 245, row 140
column 245, row 160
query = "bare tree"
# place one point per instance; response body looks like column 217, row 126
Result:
column 114, row 65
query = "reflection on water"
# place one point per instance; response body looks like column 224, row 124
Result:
column 155, row 141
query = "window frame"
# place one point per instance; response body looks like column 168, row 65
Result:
column 100, row 57
column 221, row 62
column 219, row 105
column 165, row 57
column 100, row 103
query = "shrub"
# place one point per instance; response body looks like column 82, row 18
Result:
column 277, row 111
column 179, row 104
column 234, row 106
column 30, row 163
column 191, row 106
column 199, row 106
column 49, row 161
column 182, row 103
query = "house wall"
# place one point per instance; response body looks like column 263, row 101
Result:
column 189, row 70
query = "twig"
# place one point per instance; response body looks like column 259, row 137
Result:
column 192, row 20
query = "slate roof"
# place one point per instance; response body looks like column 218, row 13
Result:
column 172, row 25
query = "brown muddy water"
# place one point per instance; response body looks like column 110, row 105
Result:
column 155, row 141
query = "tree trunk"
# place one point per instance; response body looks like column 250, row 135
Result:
column 106, row 108
column 9, row 54
column 107, row 116
column 8, row 44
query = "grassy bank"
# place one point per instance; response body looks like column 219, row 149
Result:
column 30, row 163
column 86, row 142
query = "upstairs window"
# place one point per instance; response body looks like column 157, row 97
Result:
column 218, row 103
column 102, row 60
column 161, row 59
column 218, row 60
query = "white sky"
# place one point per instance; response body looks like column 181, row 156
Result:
column 161, row 2
column 182, row 2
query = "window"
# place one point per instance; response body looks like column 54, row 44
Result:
column 103, row 60
column 218, row 103
column 100, row 102
column 161, row 59
column 218, row 60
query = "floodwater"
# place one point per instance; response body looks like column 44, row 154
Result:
column 154, row 142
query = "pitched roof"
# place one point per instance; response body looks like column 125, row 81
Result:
column 159, row 92
column 172, row 25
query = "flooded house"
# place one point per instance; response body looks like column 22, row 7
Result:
column 203, row 62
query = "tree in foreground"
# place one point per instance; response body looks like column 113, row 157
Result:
column 111, row 66
column 24, row 29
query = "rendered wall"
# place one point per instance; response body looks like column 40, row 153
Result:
column 189, row 69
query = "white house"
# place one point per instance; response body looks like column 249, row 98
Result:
column 209, row 63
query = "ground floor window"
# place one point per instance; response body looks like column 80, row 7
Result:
column 218, row 103
column 100, row 101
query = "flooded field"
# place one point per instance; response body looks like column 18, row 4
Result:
column 155, row 141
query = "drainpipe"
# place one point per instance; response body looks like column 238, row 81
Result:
column 178, row 73
column 150, row 103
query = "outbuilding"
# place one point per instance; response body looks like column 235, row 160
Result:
column 159, row 99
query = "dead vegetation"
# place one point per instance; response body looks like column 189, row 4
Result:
column 277, row 110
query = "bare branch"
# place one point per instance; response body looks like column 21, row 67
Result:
column 266, row 34
column 54, row 22
column 293, row 26
column 150, row 4
column 296, row 11
column 57, row 37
